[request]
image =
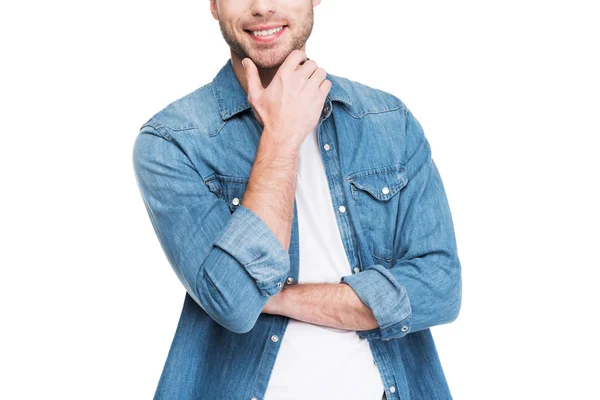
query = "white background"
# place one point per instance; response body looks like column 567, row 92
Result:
column 506, row 91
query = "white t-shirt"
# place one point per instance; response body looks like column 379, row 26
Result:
column 315, row 361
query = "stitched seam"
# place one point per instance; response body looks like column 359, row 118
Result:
column 184, row 128
column 219, row 130
column 370, row 112
column 382, row 258
column 396, row 323
column 231, row 178
column 396, row 167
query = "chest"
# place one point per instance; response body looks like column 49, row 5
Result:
column 362, row 165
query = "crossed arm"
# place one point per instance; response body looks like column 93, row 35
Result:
column 330, row 304
column 233, row 265
column 422, row 289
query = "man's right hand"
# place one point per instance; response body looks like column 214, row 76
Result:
column 292, row 103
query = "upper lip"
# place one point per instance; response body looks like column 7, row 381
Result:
column 264, row 27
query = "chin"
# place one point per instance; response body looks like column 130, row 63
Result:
column 266, row 60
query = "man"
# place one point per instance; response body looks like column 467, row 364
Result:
column 307, row 221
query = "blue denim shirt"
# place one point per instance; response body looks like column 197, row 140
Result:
column 192, row 161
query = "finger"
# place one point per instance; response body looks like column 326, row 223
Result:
column 293, row 60
column 324, row 88
column 307, row 69
column 255, row 87
column 317, row 77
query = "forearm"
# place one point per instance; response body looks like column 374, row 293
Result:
column 329, row 304
column 272, row 186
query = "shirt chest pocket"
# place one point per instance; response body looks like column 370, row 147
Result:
column 376, row 196
column 229, row 188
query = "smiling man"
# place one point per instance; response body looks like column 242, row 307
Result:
column 306, row 220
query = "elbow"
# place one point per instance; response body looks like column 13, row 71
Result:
column 446, row 310
column 228, row 309
column 237, row 322
column 239, row 319
column 447, row 294
column 227, row 291
column 454, row 295
column 457, row 299
column 454, row 307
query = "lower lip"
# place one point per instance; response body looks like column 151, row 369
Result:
column 267, row 38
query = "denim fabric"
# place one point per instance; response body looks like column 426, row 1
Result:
column 192, row 161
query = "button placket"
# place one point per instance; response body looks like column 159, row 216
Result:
column 331, row 165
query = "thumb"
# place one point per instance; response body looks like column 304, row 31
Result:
column 255, row 87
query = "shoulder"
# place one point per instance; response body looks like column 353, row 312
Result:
column 366, row 99
column 191, row 111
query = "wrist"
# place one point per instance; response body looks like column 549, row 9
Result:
column 284, row 143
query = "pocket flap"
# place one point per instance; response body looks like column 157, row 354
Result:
column 229, row 188
column 382, row 183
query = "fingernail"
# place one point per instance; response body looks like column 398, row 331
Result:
column 244, row 63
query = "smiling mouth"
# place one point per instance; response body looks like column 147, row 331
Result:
column 267, row 37
column 266, row 33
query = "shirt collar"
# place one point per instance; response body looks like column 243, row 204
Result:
column 232, row 99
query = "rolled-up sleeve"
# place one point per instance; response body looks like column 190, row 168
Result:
column 249, row 240
column 423, row 288
column 228, row 263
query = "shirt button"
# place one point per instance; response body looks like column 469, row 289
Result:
column 385, row 190
column 235, row 201
column 356, row 270
column 392, row 389
column 290, row 280
column 326, row 146
column 274, row 338
column 254, row 398
column 404, row 328
column 342, row 209
column 326, row 109
column 279, row 285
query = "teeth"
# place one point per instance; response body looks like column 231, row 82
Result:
column 265, row 33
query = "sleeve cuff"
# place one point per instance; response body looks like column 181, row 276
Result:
column 248, row 239
column 388, row 300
